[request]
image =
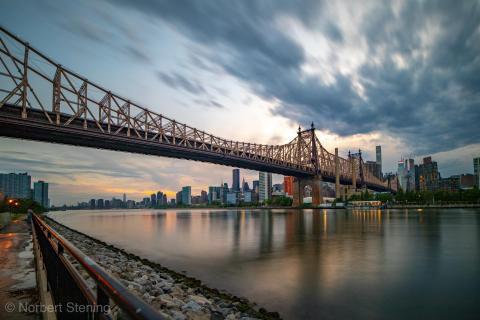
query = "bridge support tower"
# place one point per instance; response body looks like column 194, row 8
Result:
column 337, row 175
column 299, row 185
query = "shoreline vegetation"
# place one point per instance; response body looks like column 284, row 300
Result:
column 175, row 295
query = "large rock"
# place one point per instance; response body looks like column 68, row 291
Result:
column 192, row 305
column 200, row 300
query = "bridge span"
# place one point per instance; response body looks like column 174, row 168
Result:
column 44, row 101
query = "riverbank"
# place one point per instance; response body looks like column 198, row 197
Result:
column 175, row 295
column 435, row 206
column 17, row 272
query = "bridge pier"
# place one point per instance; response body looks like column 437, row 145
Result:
column 299, row 185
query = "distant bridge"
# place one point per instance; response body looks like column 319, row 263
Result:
column 41, row 100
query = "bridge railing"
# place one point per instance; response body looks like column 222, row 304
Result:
column 72, row 297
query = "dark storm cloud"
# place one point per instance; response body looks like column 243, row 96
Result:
column 37, row 164
column 333, row 32
column 177, row 81
column 137, row 53
column 209, row 103
column 432, row 102
column 103, row 28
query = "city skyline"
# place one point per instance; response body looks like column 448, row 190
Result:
column 244, row 105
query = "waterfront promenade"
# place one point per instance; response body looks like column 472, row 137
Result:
column 17, row 272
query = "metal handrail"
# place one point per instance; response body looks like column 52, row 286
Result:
column 107, row 286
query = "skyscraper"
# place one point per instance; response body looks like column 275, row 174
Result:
column 476, row 170
column 236, row 180
column 15, row 185
column 407, row 174
column 160, row 201
column 223, row 192
column 124, row 199
column 288, row 185
column 187, row 195
column 214, row 194
column 40, row 193
column 153, row 200
column 203, row 196
column 378, row 152
column 265, row 186
column 255, row 185
column 428, row 175
column 245, row 186
column 178, row 197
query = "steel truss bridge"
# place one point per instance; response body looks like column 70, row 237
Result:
column 44, row 101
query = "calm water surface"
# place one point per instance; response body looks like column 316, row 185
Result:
column 313, row 264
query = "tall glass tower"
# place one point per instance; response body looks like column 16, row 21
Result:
column 236, row 180
column 378, row 151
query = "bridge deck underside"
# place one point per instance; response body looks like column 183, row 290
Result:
column 35, row 127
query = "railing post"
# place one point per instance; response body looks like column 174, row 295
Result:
column 103, row 303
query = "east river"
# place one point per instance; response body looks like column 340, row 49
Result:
column 313, row 264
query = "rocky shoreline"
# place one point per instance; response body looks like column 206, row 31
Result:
column 175, row 295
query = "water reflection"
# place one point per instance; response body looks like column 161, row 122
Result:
column 360, row 264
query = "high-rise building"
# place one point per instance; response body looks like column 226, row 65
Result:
column 467, row 181
column 187, row 195
column 124, row 199
column 165, row 200
column 250, row 197
column 451, row 184
column 378, row 153
column 40, row 193
column 214, row 194
column 288, row 185
column 255, row 185
column 203, row 196
column 92, row 204
column 245, row 186
column 232, row 197
column 153, row 200
column 406, row 173
column 401, row 174
column 178, row 197
column 476, row 170
column 15, row 185
column 146, row 202
column 223, row 193
column 428, row 175
column 160, row 198
column 236, row 180
column 265, row 186
column 100, row 204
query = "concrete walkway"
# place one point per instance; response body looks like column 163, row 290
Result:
column 17, row 273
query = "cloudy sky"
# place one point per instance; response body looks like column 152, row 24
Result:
column 402, row 74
